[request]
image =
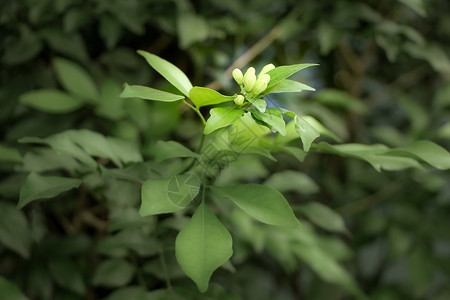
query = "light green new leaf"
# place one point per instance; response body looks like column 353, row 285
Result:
column 75, row 79
column 9, row 154
column 222, row 117
column 202, row 246
column 260, row 104
column 10, row 291
column 291, row 86
column 283, row 72
column 40, row 187
column 169, row 71
column 261, row 202
column 166, row 195
column 143, row 92
column 306, row 131
column 171, row 149
column 272, row 116
column 322, row 216
column 51, row 101
column 113, row 273
column 14, row 230
column 202, row 96
column 427, row 151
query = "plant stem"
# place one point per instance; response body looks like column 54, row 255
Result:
column 197, row 111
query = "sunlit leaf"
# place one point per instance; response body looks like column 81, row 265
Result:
column 143, row 92
column 291, row 86
column 202, row 96
column 222, row 117
column 283, row 72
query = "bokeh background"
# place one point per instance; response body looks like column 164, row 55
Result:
column 383, row 77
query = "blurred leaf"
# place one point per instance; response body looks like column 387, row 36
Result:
column 322, row 216
column 14, row 230
column 71, row 45
column 110, row 104
column 260, row 202
column 416, row 5
column 334, row 97
column 202, row 246
column 23, row 48
column 292, row 181
column 75, row 19
column 283, row 72
column 51, row 101
column 129, row 292
column 420, row 272
column 202, row 96
column 10, row 291
column 113, row 273
column 191, row 29
column 329, row 36
column 143, row 92
column 221, row 117
column 433, row 53
column 67, row 275
column 10, row 154
column 40, row 187
column 171, row 149
column 169, row 71
column 110, row 31
column 76, row 80
column 166, row 195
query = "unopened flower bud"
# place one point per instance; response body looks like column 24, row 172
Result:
column 239, row 100
column 249, row 79
column 237, row 75
column 261, row 84
column 266, row 69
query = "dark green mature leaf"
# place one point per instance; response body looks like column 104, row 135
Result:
column 290, row 86
column 222, row 117
column 76, row 80
column 51, row 101
column 14, row 229
column 113, row 272
column 40, row 187
column 143, row 92
column 169, row 71
column 171, row 149
column 261, row 202
column 9, row 154
column 427, row 151
column 283, row 72
column 202, row 96
column 272, row 117
column 322, row 216
column 10, row 291
column 202, row 246
column 166, row 195
column 67, row 274
column 129, row 292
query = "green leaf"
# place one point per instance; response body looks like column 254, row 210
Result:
column 272, row 117
column 427, row 151
column 113, row 273
column 67, row 274
column 166, row 195
column 110, row 104
column 202, row 246
column 75, row 79
column 260, row 104
column 143, row 92
column 322, row 216
column 10, row 291
column 14, row 230
column 169, row 71
column 51, row 101
column 260, row 202
column 222, row 117
column 10, row 154
column 283, row 72
column 292, row 181
column 129, row 292
column 187, row 36
column 306, row 131
column 338, row 98
column 290, row 86
column 416, row 5
column 40, row 187
column 202, row 96
column 171, row 149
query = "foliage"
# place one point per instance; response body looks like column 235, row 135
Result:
column 118, row 200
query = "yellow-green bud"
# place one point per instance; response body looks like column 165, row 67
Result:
column 237, row 75
column 261, row 84
column 239, row 100
column 266, row 69
column 249, row 79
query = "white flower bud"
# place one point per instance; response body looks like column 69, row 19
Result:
column 249, row 79
column 239, row 100
column 237, row 75
column 261, row 84
column 266, row 69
